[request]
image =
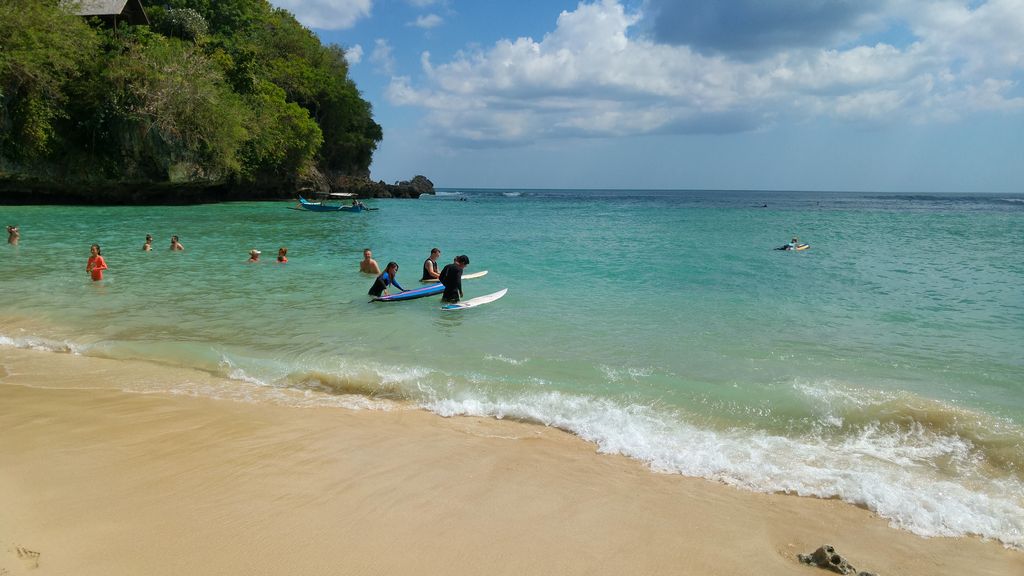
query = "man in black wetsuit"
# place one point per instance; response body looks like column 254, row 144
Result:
column 451, row 277
column 430, row 265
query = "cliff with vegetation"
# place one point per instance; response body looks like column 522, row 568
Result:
column 214, row 100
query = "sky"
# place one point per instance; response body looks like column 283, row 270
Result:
column 846, row 95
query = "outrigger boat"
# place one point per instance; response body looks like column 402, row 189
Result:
column 320, row 206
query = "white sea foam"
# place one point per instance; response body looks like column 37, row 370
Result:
column 512, row 194
column 886, row 471
column 235, row 373
column 616, row 375
column 41, row 344
column 507, row 360
column 830, row 400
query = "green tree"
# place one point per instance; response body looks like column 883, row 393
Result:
column 316, row 77
column 174, row 94
column 184, row 23
column 283, row 138
column 42, row 48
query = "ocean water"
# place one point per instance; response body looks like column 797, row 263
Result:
column 884, row 366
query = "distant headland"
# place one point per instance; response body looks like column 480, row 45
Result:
column 16, row 190
column 174, row 103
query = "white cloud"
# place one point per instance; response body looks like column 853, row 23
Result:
column 354, row 54
column 382, row 57
column 427, row 21
column 327, row 14
column 594, row 75
column 423, row 3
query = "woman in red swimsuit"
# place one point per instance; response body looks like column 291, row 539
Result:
column 96, row 264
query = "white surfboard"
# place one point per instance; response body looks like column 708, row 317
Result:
column 479, row 274
column 473, row 302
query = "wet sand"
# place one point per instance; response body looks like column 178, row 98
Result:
column 97, row 481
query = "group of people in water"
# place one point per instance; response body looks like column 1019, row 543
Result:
column 450, row 276
column 175, row 244
column 96, row 264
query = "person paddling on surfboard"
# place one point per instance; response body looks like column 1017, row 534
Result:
column 793, row 244
column 451, row 277
column 388, row 278
column 430, row 265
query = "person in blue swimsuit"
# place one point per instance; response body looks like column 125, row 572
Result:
column 388, row 278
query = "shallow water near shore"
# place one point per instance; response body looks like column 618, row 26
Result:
column 883, row 366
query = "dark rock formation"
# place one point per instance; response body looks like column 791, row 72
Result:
column 366, row 188
column 826, row 557
column 54, row 188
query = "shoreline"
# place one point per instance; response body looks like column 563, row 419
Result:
column 100, row 481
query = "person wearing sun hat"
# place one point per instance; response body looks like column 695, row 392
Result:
column 254, row 255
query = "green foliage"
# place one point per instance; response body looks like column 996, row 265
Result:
column 224, row 89
column 42, row 48
column 316, row 77
column 282, row 137
column 173, row 92
column 184, row 23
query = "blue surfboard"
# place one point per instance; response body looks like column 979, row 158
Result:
column 428, row 290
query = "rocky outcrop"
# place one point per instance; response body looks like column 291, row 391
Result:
column 51, row 187
column 366, row 188
column 826, row 557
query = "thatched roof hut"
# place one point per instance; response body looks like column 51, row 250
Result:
column 112, row 12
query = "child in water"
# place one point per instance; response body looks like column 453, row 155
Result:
column 254, row 255
column 96, row 264
column 282, row 255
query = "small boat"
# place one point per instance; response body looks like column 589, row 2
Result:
column 322, row 207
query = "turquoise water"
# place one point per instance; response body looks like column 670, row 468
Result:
column 883, row 366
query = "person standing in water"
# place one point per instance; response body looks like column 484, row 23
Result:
column 282, row 255
column 13, row 235
column 96, row 264
column 175, row 245
column 430, row 265
column 451, row 277
column 388, row 278
column 254, row 255
column 368, row 265
column 148, row 246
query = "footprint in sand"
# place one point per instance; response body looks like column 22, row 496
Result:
column 29, row 557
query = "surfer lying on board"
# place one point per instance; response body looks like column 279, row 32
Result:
column 793, row 244
column 451, row 277
column 388, row 278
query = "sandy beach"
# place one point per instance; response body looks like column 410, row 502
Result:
column 94, row 480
